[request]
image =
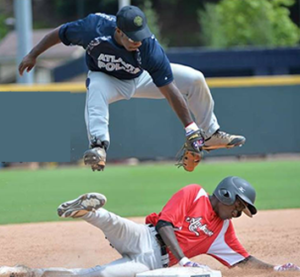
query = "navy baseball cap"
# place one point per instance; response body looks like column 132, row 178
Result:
column 133, row 23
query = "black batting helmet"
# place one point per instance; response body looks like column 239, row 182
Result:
column 231, row 187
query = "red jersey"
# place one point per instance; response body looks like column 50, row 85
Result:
column 198, row 229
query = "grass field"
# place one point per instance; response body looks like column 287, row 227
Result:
column 33, row 196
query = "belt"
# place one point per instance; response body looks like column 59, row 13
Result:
column 163, row 247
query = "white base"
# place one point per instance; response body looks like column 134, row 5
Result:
column 180, row 272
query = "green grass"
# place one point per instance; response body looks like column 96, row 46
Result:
column 33, row 196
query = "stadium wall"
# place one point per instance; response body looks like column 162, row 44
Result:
column 265, row 110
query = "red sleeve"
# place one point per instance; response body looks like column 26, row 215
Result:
column 177, row 207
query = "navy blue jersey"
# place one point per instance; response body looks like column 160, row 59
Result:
column 95, row 34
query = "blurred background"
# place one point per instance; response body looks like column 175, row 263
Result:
column 248, row 50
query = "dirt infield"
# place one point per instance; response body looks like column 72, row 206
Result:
column 272, row 236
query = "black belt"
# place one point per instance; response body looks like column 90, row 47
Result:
column 163, row 247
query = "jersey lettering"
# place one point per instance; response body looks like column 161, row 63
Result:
column 111, row 63
column 196, row 226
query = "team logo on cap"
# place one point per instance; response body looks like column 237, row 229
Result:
column 242, row 189
column 138, row 21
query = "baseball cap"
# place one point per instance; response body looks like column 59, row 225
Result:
column 133, row 23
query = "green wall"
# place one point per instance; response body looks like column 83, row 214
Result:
column 264, row 110
column 267, row 116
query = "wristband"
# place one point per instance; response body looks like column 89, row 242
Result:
column 183, row 261
column 192, row 127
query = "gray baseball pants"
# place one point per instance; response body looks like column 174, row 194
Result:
column 104, row 90
column 136, row 243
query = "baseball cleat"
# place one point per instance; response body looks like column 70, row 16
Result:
column 96, row 158
column 223, row 140
column 16, row 271
column 80, row 206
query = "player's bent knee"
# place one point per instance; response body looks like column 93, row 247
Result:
column 199, row 79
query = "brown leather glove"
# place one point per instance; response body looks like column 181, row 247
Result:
column 191, row 153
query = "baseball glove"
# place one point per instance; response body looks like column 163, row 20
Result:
column 190, row 155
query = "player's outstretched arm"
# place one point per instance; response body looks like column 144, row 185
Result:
column 177, row 102
column 253, row 263
column 48, row 41
column 194, row 136
column 166, row 231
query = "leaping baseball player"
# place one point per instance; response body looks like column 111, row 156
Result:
column 190, row 224
column 126, row 61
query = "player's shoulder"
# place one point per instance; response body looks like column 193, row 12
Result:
column 150, row 42
column 101, row 18
column 193, row 187
column 104, row 16
column 196, row 190
column 151, row 48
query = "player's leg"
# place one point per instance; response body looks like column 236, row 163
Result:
column 102, row 90
column 145, row 88
column 124, row 267
column 126, row 236
column 193, row 86
column 116, row 229
column 130, row 239
column 119, row 230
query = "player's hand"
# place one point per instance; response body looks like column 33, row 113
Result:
column 194, row 137
column 287, row 267
column 185, row 262
column 194, row 264
column 27, row 64
column 191, row 152
column 195, row 140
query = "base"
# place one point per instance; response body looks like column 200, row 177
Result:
column 180, row 272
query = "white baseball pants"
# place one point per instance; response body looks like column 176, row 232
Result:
column 135, row 242
column 104, row 90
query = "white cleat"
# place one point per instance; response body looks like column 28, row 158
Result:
column 82, row 205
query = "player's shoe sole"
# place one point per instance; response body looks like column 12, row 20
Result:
column 96, row 158
column 223, row 140
column 82, row 205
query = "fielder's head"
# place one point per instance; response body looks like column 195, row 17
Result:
column 235, row 195
column 132, row 22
